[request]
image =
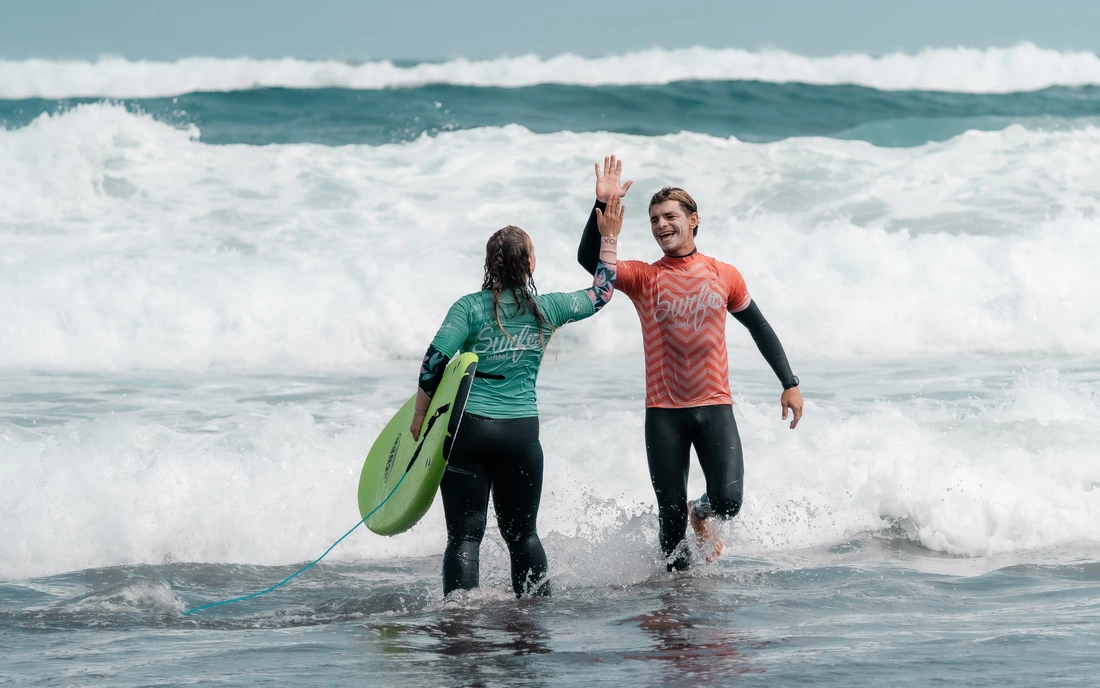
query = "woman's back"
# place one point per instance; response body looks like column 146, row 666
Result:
column 510, row 356
column 508, row 326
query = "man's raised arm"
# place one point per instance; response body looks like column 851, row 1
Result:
column 607, row 186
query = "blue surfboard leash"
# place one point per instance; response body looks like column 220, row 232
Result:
column 311, row 564
column 428, row 425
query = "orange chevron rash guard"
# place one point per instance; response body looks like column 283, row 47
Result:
column 682, row 304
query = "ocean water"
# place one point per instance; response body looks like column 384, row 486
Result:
column 217, row 278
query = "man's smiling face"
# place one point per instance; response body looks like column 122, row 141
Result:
column 673, row 228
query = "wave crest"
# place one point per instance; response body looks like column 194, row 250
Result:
column 1023, row 67
column 128, row 244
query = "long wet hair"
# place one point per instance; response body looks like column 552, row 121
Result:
column 508, row 268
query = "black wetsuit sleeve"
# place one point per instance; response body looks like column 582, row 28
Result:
column 588, row 254
column 431, row 370
column 768, row 343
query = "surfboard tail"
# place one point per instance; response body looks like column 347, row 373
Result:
column 455, row 420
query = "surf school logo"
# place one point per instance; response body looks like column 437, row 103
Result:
column 393, row 457
column 687, row 311
column 499, row 347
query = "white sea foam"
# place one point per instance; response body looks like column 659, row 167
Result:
column 1023, row 67
column 130, row 244
column 1015, row 475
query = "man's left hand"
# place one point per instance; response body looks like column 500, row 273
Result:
column 792, row 401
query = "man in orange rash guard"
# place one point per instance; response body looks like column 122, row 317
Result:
column 682, row 301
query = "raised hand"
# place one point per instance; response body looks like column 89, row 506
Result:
column 607, row 181
column 610, row 221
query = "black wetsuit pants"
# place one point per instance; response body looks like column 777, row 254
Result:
column 669, row 436
column 504, row 457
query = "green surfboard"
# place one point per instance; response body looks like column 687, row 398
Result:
column 395, row 454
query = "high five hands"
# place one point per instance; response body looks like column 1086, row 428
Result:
column 610, row 221
column 607, row 181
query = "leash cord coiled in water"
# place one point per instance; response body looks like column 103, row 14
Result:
column 311, row 564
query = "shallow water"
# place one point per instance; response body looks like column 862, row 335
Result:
column 875, row 605
column 866, row 610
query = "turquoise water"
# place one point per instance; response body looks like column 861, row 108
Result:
column 218, row 277
column 748, row 110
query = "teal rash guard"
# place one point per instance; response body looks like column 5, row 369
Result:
column 509, row 359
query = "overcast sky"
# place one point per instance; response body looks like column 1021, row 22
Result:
column 429, row 29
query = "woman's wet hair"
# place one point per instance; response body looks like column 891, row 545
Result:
column 508, row 268
column 672, row 193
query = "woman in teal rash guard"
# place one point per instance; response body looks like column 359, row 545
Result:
column 508, row 325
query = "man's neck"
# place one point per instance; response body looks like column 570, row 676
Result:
column 683, row 253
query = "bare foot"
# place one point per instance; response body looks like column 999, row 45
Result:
column 706, row 535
